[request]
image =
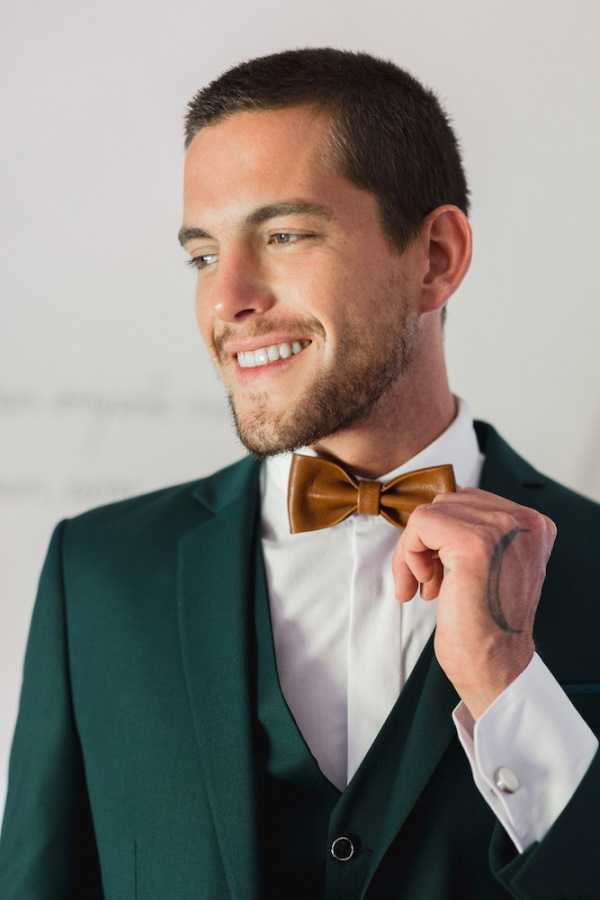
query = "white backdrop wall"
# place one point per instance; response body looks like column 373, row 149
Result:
column 105, row 387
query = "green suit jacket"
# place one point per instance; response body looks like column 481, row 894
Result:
column 131, row 772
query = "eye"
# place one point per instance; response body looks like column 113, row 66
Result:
column 198, row 262
column 289, row 234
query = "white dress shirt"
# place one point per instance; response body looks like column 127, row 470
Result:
column 345, row 647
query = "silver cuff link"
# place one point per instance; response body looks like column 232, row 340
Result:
column 506, row 780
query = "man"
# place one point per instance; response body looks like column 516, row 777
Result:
column 364, row 669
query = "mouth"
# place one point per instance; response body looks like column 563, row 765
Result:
column 269, row 360
column 266, row 356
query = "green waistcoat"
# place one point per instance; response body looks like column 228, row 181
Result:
column 301, row 813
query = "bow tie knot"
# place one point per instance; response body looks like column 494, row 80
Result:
column 369, row 498
column 321, row 493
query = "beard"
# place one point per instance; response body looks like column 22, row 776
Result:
column 367, row 365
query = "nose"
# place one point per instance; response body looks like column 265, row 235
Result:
column 240, row 288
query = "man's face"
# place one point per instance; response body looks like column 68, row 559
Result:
column 299, row 276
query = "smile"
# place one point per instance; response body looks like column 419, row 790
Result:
column 265, row 355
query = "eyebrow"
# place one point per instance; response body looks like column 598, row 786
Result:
column 263, row 214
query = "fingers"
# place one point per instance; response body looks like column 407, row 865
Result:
column 446, row 530
column 412, row 562
column 407, row 585
column 430, row 589
column 460, row 526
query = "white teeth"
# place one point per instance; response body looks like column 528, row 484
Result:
column 265, row 355
column 261, row 357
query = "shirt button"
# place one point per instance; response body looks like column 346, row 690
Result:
column 344, row 847
column 506, row 780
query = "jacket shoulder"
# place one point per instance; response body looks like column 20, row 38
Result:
column 572, row 503
column 514, row 472
column 153, row 515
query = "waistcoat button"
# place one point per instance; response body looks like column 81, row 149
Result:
column 344, row 847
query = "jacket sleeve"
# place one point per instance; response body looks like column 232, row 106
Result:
column 47, row 844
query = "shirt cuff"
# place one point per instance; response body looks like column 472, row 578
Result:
column 532, row 742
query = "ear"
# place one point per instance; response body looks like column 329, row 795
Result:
column 447, row 243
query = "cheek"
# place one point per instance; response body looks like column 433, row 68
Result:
column 204, row 322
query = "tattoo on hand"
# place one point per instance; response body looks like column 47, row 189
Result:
column 493, row 583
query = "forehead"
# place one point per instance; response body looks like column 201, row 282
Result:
column 252, row 140
column 261, row 155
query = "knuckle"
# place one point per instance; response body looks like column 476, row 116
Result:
column 419, row 511
column 506, row 521
column 533, row 519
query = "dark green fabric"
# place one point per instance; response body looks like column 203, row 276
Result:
column 136, row 770
column 294, row 797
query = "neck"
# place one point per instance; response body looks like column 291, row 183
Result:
column 404, row 421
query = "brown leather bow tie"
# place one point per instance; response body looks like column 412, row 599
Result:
column 321, row 493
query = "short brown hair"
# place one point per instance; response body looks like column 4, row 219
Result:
column 388, row 133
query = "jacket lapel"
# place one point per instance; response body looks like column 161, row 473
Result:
column 432, row 729
column 214, row 580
